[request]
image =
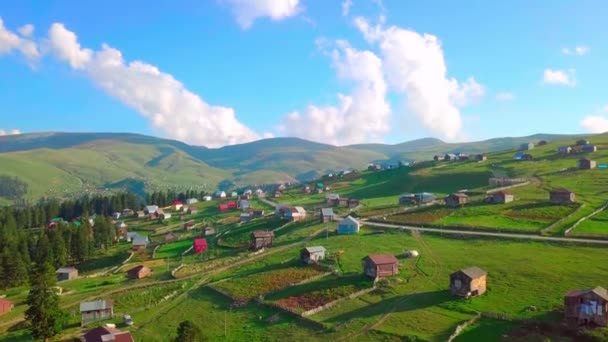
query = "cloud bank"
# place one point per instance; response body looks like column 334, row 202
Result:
column 247, row 11
column 10, row 132
column 170, row 107
column 559, row 77
column 10, row 41
column 414, row 66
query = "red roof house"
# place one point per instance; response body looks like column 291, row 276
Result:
column 5, row 306
column 107, row 334
column 223, row 207
column 200, row 245
column 231, row 205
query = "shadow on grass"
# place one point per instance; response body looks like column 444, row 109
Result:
column 405, row 303
column 328, row 283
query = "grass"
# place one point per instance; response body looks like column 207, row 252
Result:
column 595, row 225
column 173, row 250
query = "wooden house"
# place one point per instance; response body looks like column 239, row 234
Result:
column 245, row 217
column 170, row 237
column 66, row 273
column 277, row 194
column 127, row 212
column 257, row 213
column 564, row 149
column 107, row 334
column 353, row 203
column 587, row 164
column 406, row 199
column 207, row 198
column 481, row 157
column 343, row 202
column 500, row 197
column 468, row 282
column 349, row 225
column 220, row 194
column 307, row 189
column 261, row 239
column 332, row 199
column 140, row 214
column 189, row 225
column 6, row 306
column 139, row 243
column 177, row 205
column 589, row 148
column 150, row 209
column 199, row 246
column 327, row 215
column 450, row 157
column 527, row 146
column 116, row 215
column 379, row 266
column 139, row 272
column 311, row 255
column 586, row 307
column 96, row 311
column 190, row 201
column 259, row 193
column 192, row 211
column 562, row 196
column 209, row 231
column 542, row 143
column 295, row 214
column 457, row 199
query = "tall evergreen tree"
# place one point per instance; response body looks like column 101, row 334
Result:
column 44, row 314
column 189, row 332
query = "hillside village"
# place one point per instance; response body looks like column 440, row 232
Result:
column 504, row 245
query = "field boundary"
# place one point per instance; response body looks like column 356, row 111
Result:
column 337, row 301
column 598, row 211
column 459, row 227
column 460, row 327
column 491, row 191
column 557, row 223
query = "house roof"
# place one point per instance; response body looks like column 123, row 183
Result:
column 349, row 219
column 95, row 305
column 327, row 212
column 200, row 242
column 298, row 210
column 599, row 291
column 408, row 195
column 315, row 249
column 459, row 194
column 66, row 270
column 332, row 196
column 137, row 269
column 473, row 272
column 503, row 193
column 245, row 214
column 382, row 259
column 561, row 191
column 139, row 240
column 170, row 234
column 152, row 207
column 99, row 335
column 262, row 233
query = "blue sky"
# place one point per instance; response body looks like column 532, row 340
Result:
column 229, row 71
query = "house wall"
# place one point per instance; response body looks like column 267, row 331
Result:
column 347, row 229
column 387, row 270
column 586, row 309
column 94, row 316
column 5, row 307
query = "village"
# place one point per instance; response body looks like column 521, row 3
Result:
column 326, row 257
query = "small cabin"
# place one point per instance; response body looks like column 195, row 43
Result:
column 311, row 255
column 199, row 246
column 66, row 273
column 379, row 266
column 456, row 200
column 500, row 197
column 564, row 149
column 406, row 199
column 261, row 239
column 481, row 157
column 562, row 196
column 589, row 148
column 587, row 164
column 6, row 306
column 189, row 225
column 99, row 310
column 349, row 225
column 245, row 217
column 468, row 282
column 527, row 146
column 586, row 307
column 170, row 237
column 295, row 214
column 327, row 215
column 177, row 205
column 139, row 272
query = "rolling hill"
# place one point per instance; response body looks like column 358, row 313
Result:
column 61, row 164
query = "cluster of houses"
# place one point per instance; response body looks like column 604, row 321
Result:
column 581, row 146
column 319, row 188
column 460, row 156
column 334, row 200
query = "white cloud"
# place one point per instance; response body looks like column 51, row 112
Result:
column 346, row 5
column 415, row 67
column 580, row 50
column 595, row 124
column 170, row 107
column 26, row 30
column 11, row 132
column 559, row 77
column 504, row 96
column 362, row 116
column 10, row 41
column 605, row 108
column 247, row 11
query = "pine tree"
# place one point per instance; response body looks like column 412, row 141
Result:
column 189, row 332
column 44, row 253
column 44, row 314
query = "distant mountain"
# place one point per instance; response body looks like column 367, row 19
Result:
column 59, row 164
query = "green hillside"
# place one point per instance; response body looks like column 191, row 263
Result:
column 59, row 164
